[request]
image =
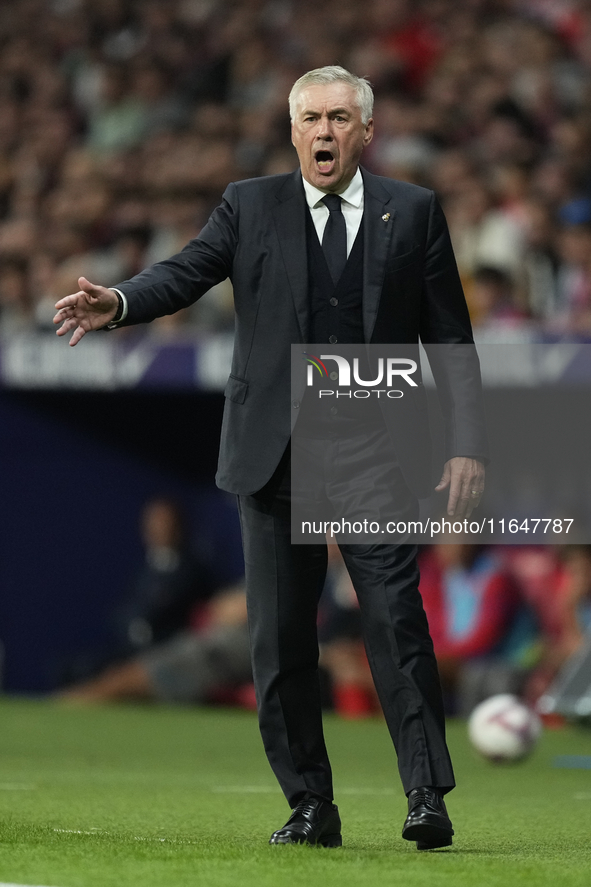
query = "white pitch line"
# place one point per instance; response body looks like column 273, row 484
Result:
column 100, row 832
column 16, row 885
column 77, row 831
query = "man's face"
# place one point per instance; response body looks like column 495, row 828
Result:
column 328, row 134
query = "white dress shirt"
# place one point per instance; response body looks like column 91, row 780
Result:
column 114, row 325
column 351, row 206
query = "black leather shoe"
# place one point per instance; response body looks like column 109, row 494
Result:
column 312, row 821
column 427, row 822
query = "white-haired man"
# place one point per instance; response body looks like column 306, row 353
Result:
column 332, row 254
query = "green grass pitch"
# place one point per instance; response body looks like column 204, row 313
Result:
column 164, row 797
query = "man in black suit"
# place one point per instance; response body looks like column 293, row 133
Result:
column 331, row 254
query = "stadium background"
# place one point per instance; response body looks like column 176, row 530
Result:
column 121, row 123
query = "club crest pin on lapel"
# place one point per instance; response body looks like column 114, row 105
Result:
column 385, row 217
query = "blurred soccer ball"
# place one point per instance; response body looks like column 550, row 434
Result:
column 503, row 729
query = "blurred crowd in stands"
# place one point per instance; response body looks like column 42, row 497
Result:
column 122, row 121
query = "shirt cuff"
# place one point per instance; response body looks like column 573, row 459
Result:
column 123, row 306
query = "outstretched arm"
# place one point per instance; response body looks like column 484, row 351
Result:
column 162, row 288
column 91, row 308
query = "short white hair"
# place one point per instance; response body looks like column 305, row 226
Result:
column 335, row 74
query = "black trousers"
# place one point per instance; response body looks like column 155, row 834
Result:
column 284, row 583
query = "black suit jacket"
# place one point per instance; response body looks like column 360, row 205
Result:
column 411, row 290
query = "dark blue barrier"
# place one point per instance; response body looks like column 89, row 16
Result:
column 76, row 470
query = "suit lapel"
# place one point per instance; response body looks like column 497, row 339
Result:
column 377, row 233
column 290, row 222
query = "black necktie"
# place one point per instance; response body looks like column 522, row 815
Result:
column 334, row 239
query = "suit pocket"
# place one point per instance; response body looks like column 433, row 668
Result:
column 236, row 389
column 396, row 262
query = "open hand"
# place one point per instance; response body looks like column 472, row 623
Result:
column 91, row 308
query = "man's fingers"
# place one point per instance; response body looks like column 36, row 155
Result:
column 463, row 508
column 86, row 285
column 68, row 301
column 77, row 335
column 69, row 323
column 460, row 500
column 91, row 289
column 445, row 479
column 64, row 314
column 465, row 478
column 454, row 496
column 463, row 501
column 86, row 289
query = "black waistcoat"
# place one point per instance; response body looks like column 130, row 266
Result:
column 336, row 317
column 335, row 311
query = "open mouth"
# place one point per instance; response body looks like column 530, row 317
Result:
column 325, row 161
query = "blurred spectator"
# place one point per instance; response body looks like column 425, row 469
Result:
column 575, row 594
column 170, row 583
column 571, row 313
column 197, row 665
column 119, row 119
column 15, row 309
column 175, row 640
column 561, row 595
column 169, row 588
column 540, row 261
column 496, row 316
column 482, row 233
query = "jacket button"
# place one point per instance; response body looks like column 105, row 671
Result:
column 334, row 302
column 332, row 340
column 334, row 376
column 296, row 404
column 333, row 411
